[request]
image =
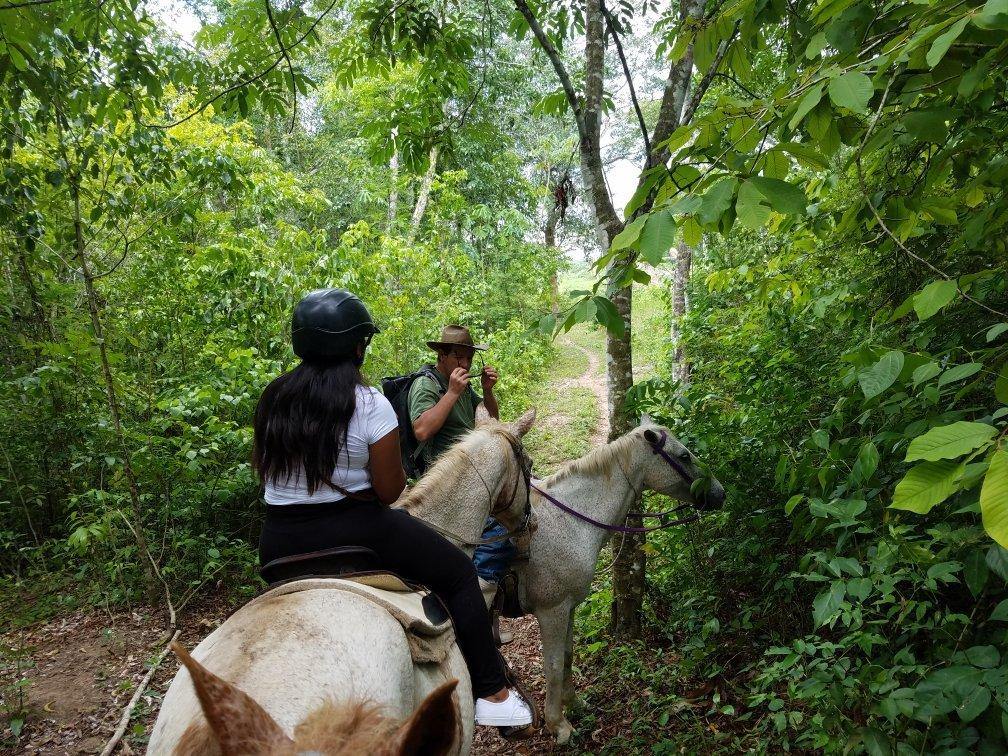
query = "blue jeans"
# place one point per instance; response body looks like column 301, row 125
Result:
column 492, row 559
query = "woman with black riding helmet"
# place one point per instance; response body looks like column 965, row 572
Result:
column 327, row 451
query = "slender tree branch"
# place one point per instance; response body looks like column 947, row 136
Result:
column 708, row 77
column 251, row 79
column 882, row 224
column 290, row 66
column 13, row 6
column 737, row 83
column 611, row 24
column 110, row 746
column 558, row 66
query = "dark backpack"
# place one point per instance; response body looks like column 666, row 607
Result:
column 396, row 390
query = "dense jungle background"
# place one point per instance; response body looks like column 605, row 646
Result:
column 778, row 227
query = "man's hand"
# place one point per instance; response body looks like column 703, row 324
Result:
column 458, row 381
column 489, row 378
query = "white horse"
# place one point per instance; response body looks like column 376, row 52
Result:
column 295, row 651
column 602, row 485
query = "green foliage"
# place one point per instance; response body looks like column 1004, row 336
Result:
column 199, row 238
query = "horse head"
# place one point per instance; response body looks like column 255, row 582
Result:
column 672, row 469
column 239, row 725
column 513, row 507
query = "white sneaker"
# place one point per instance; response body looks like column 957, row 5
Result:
column 511, row 712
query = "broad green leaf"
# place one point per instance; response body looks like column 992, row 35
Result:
column 1001, row 385
column 783, row 197
column 629, row 235
column 949, row 441
column 805, row 155
column 994, row 498
column 809, row 101
column 997, row 560
column 716, row 200
column 933, row 297
column 942, row 44
column 657, row 237
column 881, row 375
column 852, row 90
column 692, row 233
column 925, row 486
column 994, row 15
column 875, row 742
column 996, row 330
column 925, row 372
column 959, row 372
column 792, row 503
column 974, row 704
column 749, row 206
column 1000, row 613
column 976, row 572
column 826, row 603
column 985, row 657
column 866, row 462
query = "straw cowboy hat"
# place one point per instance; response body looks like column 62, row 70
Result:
column 456, row 335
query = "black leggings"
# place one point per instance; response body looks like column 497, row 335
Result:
column 405, row 546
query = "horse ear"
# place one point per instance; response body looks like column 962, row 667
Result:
column 433, row 728
column 522, row 424
column 240, row 725
column 482, row 415
column 645, row 419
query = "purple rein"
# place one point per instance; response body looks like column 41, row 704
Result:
column 656, row 448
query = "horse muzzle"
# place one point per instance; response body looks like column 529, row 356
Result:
column 713, row 498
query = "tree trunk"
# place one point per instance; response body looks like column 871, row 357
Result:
column 631, row 560
column 684, row 260
column 393, row 201
column 549, row 234
column 628, row 572
column 424, row 196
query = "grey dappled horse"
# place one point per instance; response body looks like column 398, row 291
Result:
column 603, row 485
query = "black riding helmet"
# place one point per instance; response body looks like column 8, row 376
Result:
column 330, row 323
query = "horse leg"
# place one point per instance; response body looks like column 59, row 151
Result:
column 553, row 628
column 570, row 697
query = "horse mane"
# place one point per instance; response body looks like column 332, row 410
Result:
column 442, row 476
column 346, row 728
column 599, row 461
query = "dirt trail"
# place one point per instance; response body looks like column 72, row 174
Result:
column 594, row 380
column 524, row 654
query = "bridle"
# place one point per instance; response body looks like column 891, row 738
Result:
column 524, row 476
column 658, row 448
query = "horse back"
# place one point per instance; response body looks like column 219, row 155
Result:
column 293, row 652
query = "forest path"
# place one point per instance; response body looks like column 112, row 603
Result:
column 572, row 418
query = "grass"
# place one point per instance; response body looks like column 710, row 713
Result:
column 563, row 425
column 566, row 416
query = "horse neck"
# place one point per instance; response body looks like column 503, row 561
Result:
column 604, row 495
column 463, row 510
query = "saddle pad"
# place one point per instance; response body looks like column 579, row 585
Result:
column 429, row 642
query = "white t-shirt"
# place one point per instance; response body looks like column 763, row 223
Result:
column 373, row 419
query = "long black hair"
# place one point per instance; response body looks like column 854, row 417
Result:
column 301, row 421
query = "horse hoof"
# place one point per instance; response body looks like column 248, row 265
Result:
column 563, row 732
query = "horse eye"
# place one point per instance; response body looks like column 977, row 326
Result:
column 684, row 455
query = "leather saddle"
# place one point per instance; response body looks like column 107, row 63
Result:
column 345, row 562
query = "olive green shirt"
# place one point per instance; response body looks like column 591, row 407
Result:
column 424, row 394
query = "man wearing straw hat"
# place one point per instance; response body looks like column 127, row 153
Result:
column 444, row 410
